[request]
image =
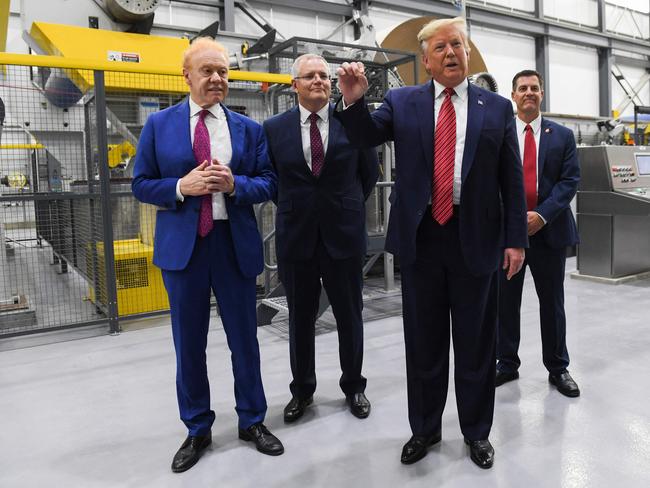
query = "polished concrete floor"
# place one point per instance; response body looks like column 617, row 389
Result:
column 101, row 411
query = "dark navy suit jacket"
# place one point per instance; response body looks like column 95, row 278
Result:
column 165, row 154
column 558, row 174
column 330, row 206
column 492, row 206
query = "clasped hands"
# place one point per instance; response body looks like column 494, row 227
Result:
column 208, row 178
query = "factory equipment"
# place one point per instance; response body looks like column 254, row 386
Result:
column 613, row 211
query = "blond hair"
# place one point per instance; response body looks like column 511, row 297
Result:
column 432, row 27
column 200, row 44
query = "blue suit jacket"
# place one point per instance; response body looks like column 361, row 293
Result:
column 165, row 154
column 558, row 174
column 492, row 206
column 331, row 206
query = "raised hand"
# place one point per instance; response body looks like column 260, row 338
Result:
column 352, row 81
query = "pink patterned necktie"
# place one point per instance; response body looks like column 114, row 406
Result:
column 442, row 205
column 317, row 153
column 201, row 148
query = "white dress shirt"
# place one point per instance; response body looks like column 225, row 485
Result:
column 323, row 124
column 459, row 100
column 536, row 126
column 220, row 149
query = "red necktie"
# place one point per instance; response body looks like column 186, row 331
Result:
column 317, row 153
column 530, row 168
column 201, row 149
column 444, row 156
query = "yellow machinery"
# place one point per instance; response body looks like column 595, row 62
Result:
column 139, row 283
column 120, row 153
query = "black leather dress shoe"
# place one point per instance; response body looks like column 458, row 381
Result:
column 416, row 447
column 564, row 384
column 190, row 452
column 505, row 376
column 359, row 405
column 295, row 408
column 481, row 452
column 265, row 442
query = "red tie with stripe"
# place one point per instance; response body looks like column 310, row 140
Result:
column 444, row 156
column 316, row 142
column 530, row 168
column 201, row 149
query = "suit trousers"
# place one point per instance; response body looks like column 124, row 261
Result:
column 436, row 287
column 213, row 267
column 547, row 267
column 343, row 283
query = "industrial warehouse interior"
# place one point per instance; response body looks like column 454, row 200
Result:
column 90, row 358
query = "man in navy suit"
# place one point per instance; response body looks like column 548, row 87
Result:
column 323, row 182
column 551, row 175
column 204, row 167
column 457, row 211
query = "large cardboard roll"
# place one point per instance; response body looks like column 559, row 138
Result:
column 404, row 37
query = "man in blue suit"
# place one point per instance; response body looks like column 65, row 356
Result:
column 457, row 211
column 320, row 230
column 204, row 167
column 551, row 175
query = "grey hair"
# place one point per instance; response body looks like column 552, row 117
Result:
column 432, row 27
column 300, row 59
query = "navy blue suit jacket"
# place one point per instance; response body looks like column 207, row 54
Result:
column 558, row 174
column 165, row 154
column 492, row 206
column 330, row 206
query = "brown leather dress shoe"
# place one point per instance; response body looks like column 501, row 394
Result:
column 565, row 384
column 359, row 405
column 190, row 452
column 295, row 408
column 265, row 442
column 416, row 447
column 481, row 452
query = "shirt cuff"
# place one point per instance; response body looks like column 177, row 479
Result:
column 179, row 195
column 540, row 216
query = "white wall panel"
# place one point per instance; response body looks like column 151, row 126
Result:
column 504, row 54
column 525, row 5
column 582, row 12
column 573, row 73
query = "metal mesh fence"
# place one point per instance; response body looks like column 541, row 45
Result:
column 66, row 172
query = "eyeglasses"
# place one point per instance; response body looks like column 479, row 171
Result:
column 312, row 77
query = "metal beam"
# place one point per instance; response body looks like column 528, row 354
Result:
column 228, row 15
column 542, row 67
column 605, row 82
column 627, row 61
column 602, row 18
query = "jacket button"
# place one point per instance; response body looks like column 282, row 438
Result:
column 419, row 212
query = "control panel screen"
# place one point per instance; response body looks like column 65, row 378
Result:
column 643, row 164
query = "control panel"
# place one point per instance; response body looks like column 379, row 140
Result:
column 631, row 174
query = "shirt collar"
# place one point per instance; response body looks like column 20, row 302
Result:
column 536, row 125
column 216, row 110
column 323, row 113
column 461, row 89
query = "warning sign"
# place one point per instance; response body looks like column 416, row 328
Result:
column 125, row 57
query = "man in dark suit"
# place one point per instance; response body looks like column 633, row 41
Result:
column 323, row 182
column 458, row 201
column 204, row 167
column 551, row 175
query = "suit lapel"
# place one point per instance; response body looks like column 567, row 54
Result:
column 423, row 102
column 237, row 137
column 475, row 114
column 182, row 121
column 333, row 136
column 543, row 144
